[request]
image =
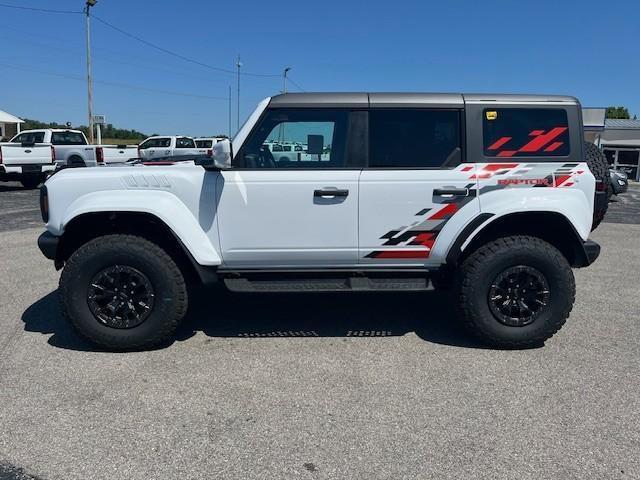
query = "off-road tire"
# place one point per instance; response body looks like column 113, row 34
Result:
column 482, row 267
column 170, row 290
column 599, row 166
column 30, row 182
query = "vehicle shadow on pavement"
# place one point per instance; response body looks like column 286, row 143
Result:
column 11, row 188
column 219, row 313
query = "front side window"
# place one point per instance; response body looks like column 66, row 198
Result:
column 67, row 138
column 414, row 138
column 322, row 131
column 155, row 143
column 525, row 132
column 29, row 137
column 184, row 142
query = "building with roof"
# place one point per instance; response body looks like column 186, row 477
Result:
column 620, row 142
column 9, row 125
column 619, row 139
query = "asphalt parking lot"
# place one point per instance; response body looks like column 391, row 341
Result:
column 301, row 386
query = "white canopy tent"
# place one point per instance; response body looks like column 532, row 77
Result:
column 9, row 124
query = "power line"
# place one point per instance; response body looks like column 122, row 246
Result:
column 113, row 84
column 177, row 55
column 146, row 42
column 102, row 58
column 42, row 10
column 295, row 84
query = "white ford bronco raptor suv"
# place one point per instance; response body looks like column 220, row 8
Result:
column 491, row 196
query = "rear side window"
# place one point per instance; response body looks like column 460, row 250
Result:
column 204, row 143
column 414, row 138
column 184, row 142
column 525, row 132
column 67, row 138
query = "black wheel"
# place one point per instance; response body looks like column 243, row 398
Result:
column 32, row 181
column 515, row 292
column 75, row 161
column 122, row 292
column 599, row 166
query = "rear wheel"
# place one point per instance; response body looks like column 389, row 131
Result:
column 599, row 166
column 75, row 161
column 122, row 292
column 515, row 292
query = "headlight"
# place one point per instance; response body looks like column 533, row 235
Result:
column 621, row 183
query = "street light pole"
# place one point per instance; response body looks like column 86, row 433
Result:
column 286, row 70
column 89, row 4
column 238, row 64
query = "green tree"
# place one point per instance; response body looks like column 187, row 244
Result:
column 108, row 130
column 618, row 112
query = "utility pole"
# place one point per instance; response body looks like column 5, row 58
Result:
column 238, row 64
column 230, row 111
column 286, row 70
column 89, row 4
column 284, row 90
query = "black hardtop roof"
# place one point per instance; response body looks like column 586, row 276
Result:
column 406, row 99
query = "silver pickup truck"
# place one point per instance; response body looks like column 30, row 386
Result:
column 28, row 163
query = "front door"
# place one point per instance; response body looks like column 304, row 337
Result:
column 279, row 211
column 414, row 186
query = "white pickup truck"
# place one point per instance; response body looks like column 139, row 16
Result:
column 73, row 150
column 160, row 147
column 28, row 163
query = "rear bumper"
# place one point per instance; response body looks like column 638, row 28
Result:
column 9, row 171
column 48, row 245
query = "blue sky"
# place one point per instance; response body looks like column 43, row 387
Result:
column 588, row 49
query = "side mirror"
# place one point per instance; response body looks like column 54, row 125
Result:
column 315, row 144
column 220, row 158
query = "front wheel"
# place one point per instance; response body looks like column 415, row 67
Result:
column 122, row 292
column 515, row 292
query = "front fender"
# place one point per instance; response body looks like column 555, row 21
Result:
column 163, row 205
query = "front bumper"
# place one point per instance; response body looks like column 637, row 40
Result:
column 48, row 245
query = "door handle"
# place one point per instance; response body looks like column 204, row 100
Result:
column 457, row 192
column 330, row 192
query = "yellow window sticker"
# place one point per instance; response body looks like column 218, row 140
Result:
column 491, row 115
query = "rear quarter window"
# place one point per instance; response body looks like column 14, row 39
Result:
column 525, row 132
column 67, row 138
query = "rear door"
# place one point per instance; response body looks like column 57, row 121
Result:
column 416, row 193
column 187, row 146
column 274, row 212
column 155, row 148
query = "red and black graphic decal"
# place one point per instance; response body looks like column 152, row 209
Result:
column 424, row 232
column 541, row 144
